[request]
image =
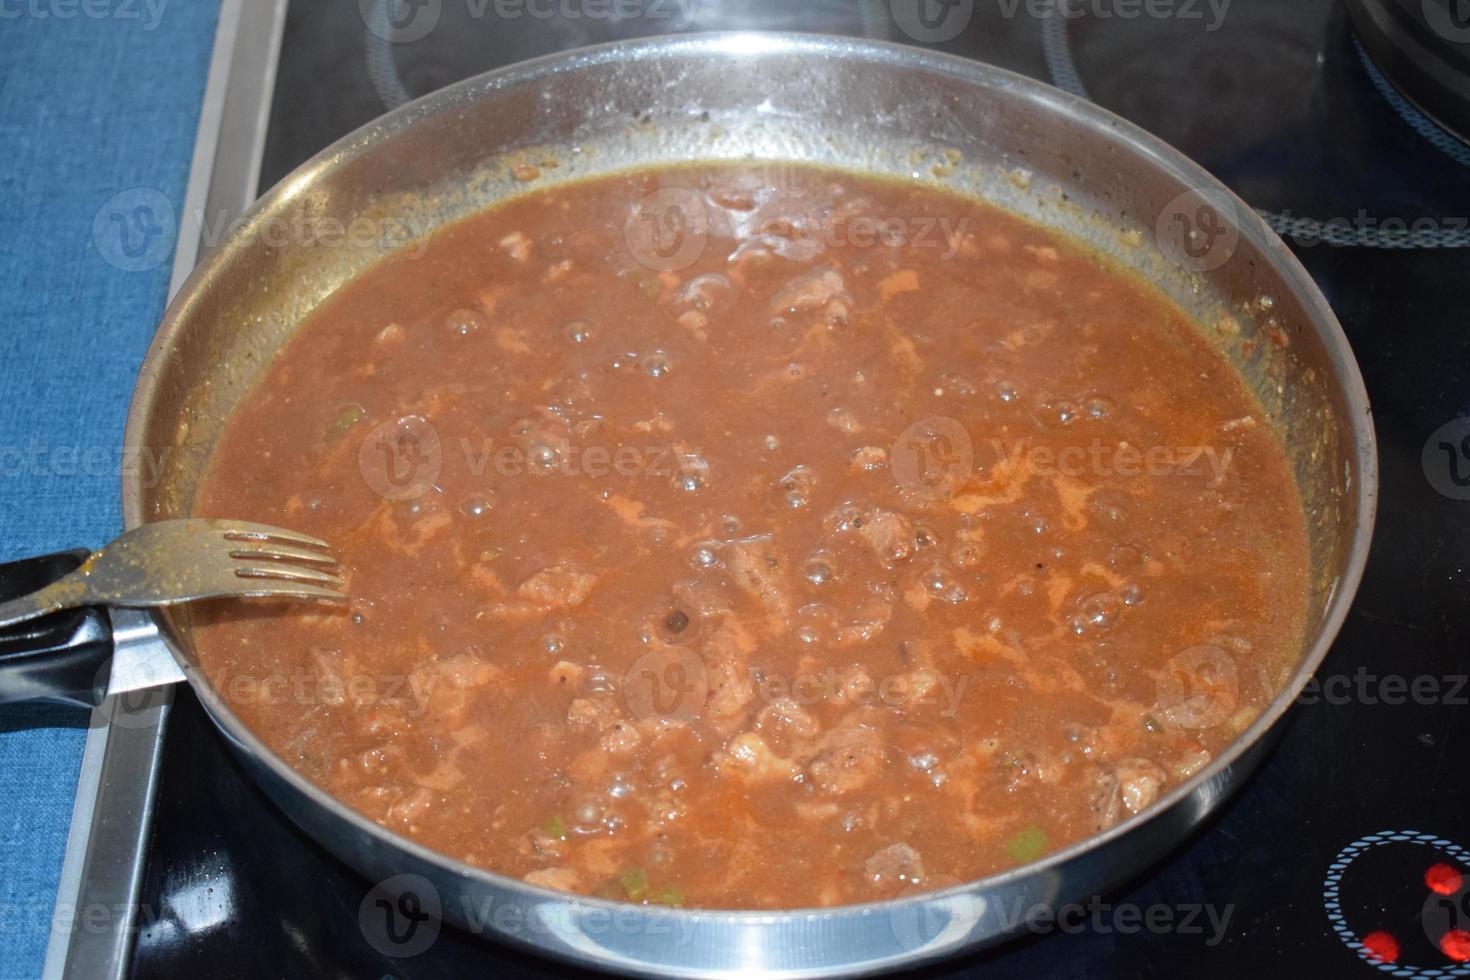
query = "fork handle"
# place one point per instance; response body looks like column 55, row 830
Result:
column 43, row 602
column 61, row 656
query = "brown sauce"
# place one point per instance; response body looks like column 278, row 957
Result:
column 883, row 541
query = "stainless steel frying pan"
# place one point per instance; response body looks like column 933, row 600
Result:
column 863, row 106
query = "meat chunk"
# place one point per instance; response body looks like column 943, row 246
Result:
column 866, row 623
column 760, row 573
column 898, row 283
column 621, row 738
column 558, row 587
column 1139, row 781
column 1125, row 789
column 337, row 674
column 617, row 735
column 890, row 535
column 413, row 805
column 518, row 245
column 566, row 674
column 702, row 293
column 787, row 716
column 730, row 695
column 446, row 690
column 561, row 879
column 729, row 643
column 868, row 459
column 808, row 292
column 747, row 757
column 894, row 867
column 541, row 844
column 854, row 685
column 847, row 758
column 700, row 599
column 585, row 713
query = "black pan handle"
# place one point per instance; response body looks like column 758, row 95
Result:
column 61, row 657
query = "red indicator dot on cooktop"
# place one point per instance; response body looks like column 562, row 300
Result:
column 1456, row 945
column 1381, row 946
column 1442, row 879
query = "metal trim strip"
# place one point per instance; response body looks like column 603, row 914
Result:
column 106, row 848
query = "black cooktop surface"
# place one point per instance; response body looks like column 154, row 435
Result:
column 1356, row 827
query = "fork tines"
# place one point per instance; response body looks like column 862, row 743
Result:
column 283, row 558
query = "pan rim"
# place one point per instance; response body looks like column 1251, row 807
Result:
column 1364, row 456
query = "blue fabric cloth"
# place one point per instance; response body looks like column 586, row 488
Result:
column 96, row 99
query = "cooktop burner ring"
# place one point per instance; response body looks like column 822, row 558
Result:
column 1061, row 65
column 379, row 35
column 1432, row 132
column 1332, row 902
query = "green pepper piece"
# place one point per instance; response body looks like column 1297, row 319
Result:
column 1028, row 845
column 635, row 884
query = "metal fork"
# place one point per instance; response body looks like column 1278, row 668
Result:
column 173, row 562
